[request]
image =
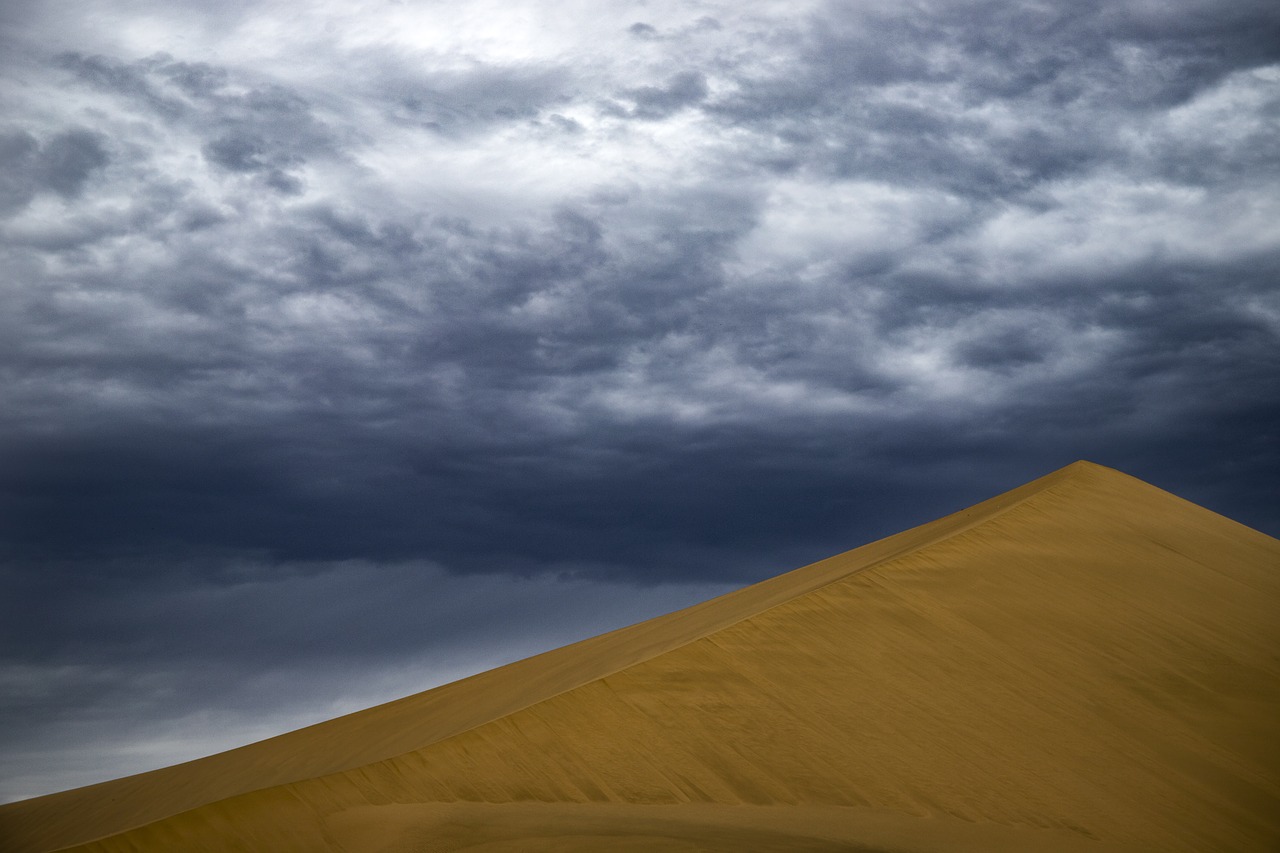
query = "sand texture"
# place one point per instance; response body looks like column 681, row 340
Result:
column 1085, row 663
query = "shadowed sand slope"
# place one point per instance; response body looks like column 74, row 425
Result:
column 1084, row 663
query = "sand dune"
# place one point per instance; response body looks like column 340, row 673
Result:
column 1084, row 663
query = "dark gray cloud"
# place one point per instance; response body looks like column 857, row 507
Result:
column 657, row 102
column 245, row 152
column 18, row 151
column 249, row 126
column 63, row 164
column 991, row 98
column 462, row 102
column 127, row 79
column 388, row 320
column 237, row 153
column 68, row 159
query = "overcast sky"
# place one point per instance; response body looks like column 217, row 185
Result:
column 350, row 347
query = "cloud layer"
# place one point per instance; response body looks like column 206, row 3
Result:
column 677, row 293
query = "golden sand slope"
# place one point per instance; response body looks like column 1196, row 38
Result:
column 1084, row 663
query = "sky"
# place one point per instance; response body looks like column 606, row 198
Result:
column 347, row 348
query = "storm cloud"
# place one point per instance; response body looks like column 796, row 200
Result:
column 335, row 311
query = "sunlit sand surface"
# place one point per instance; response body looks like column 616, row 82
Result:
column 1085, row 663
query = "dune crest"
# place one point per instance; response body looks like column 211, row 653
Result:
column 1083, row 663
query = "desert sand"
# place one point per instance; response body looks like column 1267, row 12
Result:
column 1085, row 663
